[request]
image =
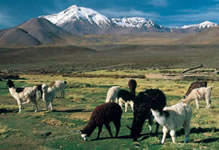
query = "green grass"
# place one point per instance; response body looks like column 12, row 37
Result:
column 60, row 129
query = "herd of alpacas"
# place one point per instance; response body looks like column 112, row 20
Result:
column 31, row 94
column 149, row 104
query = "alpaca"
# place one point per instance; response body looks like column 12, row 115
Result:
column 195, row 85
column 141, row 113
column 126, row 97
column 198, row 94
column 59, row 85
column 171, row 118
column 48, row 96
column 112, row 94
column 103, row 115
column 23, row 95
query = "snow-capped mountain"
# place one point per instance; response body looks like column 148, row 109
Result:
column 205, row 24
column 74, row 13
column 82, row 20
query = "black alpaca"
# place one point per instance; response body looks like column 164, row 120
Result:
column 103, row 115
column 142, row 111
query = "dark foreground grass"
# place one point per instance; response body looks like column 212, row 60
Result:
column 60, row 129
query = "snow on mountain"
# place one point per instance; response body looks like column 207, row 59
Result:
column 80, row 20
column 136, row 22
column 205, row 24
column 75, row 13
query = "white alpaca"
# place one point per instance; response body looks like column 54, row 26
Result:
column 173, row 117
column 59, row 85
column 199, row 94
column 112, row 94
column 48, row 96
column 23, row 95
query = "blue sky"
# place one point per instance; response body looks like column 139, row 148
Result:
column 164, row 12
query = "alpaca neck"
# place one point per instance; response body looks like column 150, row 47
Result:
column 133, row 92
column 188, row 99
column 89, row 129
column 12, row 91
column 159, row 116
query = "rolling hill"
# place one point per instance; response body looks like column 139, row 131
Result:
column 208, row 37
column 33, row 32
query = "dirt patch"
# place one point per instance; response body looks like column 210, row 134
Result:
column 162, row 76
column 104, row 76
column 83, row 116
column 52, row 122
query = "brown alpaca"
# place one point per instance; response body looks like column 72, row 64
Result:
column 103, row 115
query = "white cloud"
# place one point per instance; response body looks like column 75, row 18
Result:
column 6, row 20
column 128, row 13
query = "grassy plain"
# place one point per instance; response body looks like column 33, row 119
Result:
column 60, row 129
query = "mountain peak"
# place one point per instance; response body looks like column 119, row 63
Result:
column 73, row 13
column 207, row 24
column 202, row 25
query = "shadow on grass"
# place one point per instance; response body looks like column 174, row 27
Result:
column 3, row 110
column 119, row 137
column 198, row 130
column 71, row 110
column 209, row 140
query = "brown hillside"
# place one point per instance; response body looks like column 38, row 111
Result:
column 17, row 36
column 210, row 36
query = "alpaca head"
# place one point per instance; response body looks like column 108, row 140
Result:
column 157, row 99
column 85, row 133
column 132, row 84
column 84, row 136
column 44, row 87
column 141, row 112
column 10, row 84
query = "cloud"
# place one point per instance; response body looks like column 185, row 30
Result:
column 158, row 3
column 128, row 13
column 6, row 20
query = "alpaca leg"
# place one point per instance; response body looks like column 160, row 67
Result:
column 187, row 131
column 165, row 131
column 208, row 101
column 132, row 105
column 120, row 102
column 62, row 94
column 173, row 135
column 50, row 106
column 117, row 125
column 47, row 105
column 157, row 127
column 126, row 106
column 35, row 104
column 99, row 131
column 116, row 100
column 150, row 122
column 197, row 103
column 19, row 105
column 108, row 128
